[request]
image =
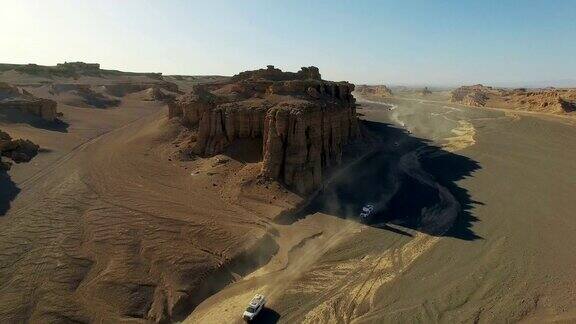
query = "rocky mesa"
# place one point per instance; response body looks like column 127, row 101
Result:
column 549, row 100
column 300, row 121
column 79, row 84
column 381, row 91
column 12, row 97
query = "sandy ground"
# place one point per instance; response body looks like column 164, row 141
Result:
column 479, row 229
column 474, row 224
column 107, row 225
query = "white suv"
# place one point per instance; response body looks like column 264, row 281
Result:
column 255, row 306
column 367, row 211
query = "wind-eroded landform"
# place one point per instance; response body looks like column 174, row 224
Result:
column 148, row 198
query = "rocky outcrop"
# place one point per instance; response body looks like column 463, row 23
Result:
column 156, row 94
column 476, row 95
column 83, row 95
column 74, row 70
column 303, row 121
column 301, row 141
column 549, row 100
column 123, row 88
column 374, row 90
column 18, row 150
column 567, row 106
column 16, row 98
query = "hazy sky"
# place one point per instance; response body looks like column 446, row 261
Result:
column 399, row 42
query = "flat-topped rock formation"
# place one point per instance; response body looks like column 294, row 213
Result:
column 15, row 98
column 78, row 84
column 550, row 100
column 303, row 122
column 374, row 90
column 72, row 70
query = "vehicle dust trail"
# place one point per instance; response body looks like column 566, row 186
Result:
column 272, row 280
column 463, row 137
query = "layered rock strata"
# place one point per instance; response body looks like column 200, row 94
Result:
column 89, row 97
column 123, row 88
column 15, row 98
column 374, row 90
column 549, row 100
column 303, row 121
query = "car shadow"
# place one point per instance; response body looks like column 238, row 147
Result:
column 266, row 316
column 411, row 182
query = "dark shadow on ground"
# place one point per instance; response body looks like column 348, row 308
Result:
column 267, row 316
column 8, row 192
column 17, row 117
column 393, row 229
column 402, row 178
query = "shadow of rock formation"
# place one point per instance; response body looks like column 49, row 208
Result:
column 8, row 192
column 411, row 182
column 14, row 116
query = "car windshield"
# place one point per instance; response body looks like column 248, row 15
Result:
column 250, row 309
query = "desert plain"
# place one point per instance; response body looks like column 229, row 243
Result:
column 135, row 208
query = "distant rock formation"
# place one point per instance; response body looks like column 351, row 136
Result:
column 374, row 90
column 15, row 98
column 303, row 121
column 72, row 70
column 476, row 95
column 547, row 100
column 155, row 93
column 88, row 97
column 121, row 89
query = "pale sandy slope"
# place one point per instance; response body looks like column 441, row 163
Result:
column 108, row 226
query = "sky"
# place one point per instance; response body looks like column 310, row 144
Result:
column 414, row 42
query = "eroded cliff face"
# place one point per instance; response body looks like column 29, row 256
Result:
column 476, row 95
column 15, row 98
column 303, row 121
column 557, row 101
column 374, row 90
column 18, row 150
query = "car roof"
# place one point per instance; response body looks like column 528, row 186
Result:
column 256, row 300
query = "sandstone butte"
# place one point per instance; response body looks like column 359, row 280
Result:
column 549, row 100
column 374, row 90
column 303, row 122
column 12, row 97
